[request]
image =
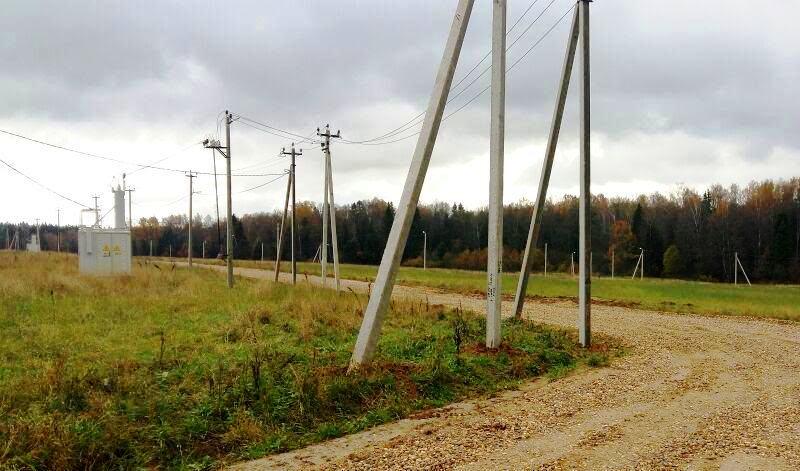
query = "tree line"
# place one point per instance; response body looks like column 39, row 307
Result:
column 684, row 235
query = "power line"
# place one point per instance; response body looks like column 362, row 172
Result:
column 43, row 186
column 263, row 184
column 415, row 121
column 484, row 90
column 113, row 159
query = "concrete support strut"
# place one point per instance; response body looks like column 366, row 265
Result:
column 584, row 209
column 323, row 255
column 547, row 166
column 282, row 228
column 332, row 212
column 387, row 272
column 494, row 269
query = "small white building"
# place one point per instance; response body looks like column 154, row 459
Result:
column 106, row 251
column 33, row 245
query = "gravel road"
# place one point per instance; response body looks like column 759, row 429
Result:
column 693, row 392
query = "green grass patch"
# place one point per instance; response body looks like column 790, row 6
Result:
column 168, row 368
column 759, row 300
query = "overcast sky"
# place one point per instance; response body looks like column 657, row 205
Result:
column 683, row 93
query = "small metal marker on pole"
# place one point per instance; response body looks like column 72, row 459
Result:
column 292, row 172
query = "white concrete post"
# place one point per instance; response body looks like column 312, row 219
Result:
column 282, row 228
column 323, row 255
column 494, row 269
column 424, row 250
column 585, row 203
column 547, row 166
column 229, row 229
column 395, row 245
column 332, row 213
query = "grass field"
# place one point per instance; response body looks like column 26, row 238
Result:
column 773, row 301
column 167, row 368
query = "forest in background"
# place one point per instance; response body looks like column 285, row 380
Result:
column 684, row 235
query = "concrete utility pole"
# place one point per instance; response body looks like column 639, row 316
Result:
column 262, row 251
column 130, row 191
column 96, row 210
column 572, row 264
column 547, row 166
column 494, row 269
column 738, row 262
column 58, row 230
column 424, row 250
column 226, row 154
column 204, row 249
column 395, row 244
column 639, row 262
column 585, row 203
column 545, row 259
column 191, row 177
column 328, row 209
column 289, row 185
column 151, row 248
column 294, row 154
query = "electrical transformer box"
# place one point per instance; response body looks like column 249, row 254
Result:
column 104, row 251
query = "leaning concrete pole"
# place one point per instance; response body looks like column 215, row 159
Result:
column 229, row 229
column 395, row 245
column 585, row 211
column 494, row 269
column 547, row 166
column 282, row 228
column 332, row 212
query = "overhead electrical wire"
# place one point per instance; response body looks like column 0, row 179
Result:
column 263, row 184
column 113, row 159
column 484, row 90
column 36, row 182
column 415, row 121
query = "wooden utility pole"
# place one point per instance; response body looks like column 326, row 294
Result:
column 294, row 154
column 395, row 244
column 328, row 209
column 191, row 175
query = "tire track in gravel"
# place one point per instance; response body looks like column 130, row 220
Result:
column 694, row 392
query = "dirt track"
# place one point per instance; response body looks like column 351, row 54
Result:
column 694, row 392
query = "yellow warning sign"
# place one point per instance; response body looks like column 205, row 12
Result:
column 117, row 250
column 106, row 251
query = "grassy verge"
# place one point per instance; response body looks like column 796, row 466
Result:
column 773, row 301
column 169, row 369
